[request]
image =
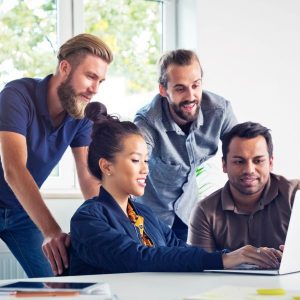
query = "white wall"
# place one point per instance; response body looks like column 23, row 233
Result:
column 250, row 51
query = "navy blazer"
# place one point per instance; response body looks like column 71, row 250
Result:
column 103, row 240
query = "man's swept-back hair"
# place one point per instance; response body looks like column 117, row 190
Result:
column 75, row 49
column 247, row 130
column 180, row 57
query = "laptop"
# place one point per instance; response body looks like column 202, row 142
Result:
column 290, row 261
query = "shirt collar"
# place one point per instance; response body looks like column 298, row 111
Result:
column 41, row 96
column 107, row 199
column 226, row 198
column 199, row 121
column 270, row 192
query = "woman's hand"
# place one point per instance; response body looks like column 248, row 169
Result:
column 263, row 257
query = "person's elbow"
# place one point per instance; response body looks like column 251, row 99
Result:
column 11, row 171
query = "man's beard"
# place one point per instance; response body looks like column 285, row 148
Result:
column 185, row 115
column 71, row 101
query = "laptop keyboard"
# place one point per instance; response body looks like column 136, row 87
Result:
column 250, row 267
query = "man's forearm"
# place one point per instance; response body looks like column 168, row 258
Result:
column 28, row 194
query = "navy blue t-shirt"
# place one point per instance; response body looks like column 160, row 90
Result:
column 23, row 109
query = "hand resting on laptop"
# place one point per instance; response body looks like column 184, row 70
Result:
column 263, row 257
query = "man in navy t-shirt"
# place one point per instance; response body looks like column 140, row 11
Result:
column 39, row 119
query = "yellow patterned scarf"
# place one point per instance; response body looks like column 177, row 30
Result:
column 138, row 221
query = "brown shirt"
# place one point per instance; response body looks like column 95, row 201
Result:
column 217, row 224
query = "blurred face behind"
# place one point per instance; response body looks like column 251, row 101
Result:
column 184, row 90
column 129, row 169
column 81, row 85
column 248, row 166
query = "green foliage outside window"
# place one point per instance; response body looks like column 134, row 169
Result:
column 132, row 28
column 27, row 38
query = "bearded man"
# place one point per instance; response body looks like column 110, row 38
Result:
column 182, row 126
column 39, row 119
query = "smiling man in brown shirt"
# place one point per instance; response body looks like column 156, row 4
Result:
column 254, row 206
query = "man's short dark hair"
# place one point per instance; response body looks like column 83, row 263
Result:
column 247, row 130
column 180, row 57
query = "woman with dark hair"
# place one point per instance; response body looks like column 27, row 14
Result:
column 112, row 234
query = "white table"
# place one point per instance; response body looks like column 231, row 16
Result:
column 176, row 286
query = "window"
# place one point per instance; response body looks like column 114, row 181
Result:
column 29, row 43
column 133, row 29
column 27, row 38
